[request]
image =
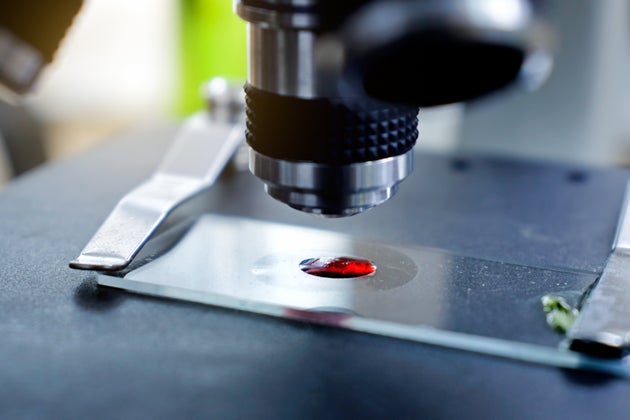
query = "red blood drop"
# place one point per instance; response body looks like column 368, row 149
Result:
column 338, row 267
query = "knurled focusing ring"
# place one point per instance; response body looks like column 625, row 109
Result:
column 334, row 131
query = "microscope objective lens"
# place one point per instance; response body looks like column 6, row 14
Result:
column 338, row 267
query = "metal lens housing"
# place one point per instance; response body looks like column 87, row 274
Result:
column 316, row 150
column 322, row 142
column 332, row 190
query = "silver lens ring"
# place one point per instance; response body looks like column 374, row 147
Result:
column 331, row 190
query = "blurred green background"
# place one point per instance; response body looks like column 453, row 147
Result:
column 212, row 43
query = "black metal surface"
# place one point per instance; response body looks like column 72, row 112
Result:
column 69, row 349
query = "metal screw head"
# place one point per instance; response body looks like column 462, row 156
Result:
column 225, row 99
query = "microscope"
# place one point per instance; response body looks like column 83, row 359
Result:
column 334, row 87
column 330, row 115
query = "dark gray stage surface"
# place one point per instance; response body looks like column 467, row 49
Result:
column 70, row 349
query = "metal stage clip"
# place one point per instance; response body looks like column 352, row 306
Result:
column 201, row 149
column 603, row 326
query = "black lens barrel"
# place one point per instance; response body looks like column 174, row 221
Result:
column 327, row 130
